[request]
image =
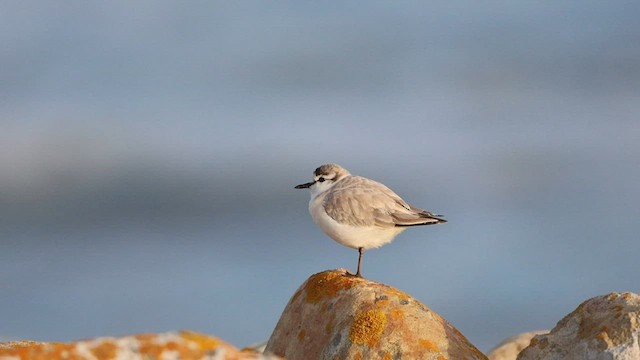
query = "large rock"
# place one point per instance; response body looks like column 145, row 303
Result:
column 184, row 345
column 604, row 327
column 511, row 347
column 336, row 316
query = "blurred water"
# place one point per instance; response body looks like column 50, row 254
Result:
column 148, row 155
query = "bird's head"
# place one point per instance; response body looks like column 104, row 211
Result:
column 324, row 178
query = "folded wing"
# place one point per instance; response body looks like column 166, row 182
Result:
column 359, row 201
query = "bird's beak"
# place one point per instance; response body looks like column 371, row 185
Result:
column 304, row 186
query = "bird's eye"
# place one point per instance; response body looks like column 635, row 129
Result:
column 321, row 179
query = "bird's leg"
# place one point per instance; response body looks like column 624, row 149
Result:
column 360, row 251
column 357, row 274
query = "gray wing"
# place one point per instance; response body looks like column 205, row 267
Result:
column 360, row 201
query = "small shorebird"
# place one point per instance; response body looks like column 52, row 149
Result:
column 358, row 212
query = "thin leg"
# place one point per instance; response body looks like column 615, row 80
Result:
column 360, row 251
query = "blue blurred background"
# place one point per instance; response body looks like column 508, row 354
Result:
column 149, row 149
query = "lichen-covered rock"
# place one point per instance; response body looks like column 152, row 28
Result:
column 336, row 316
column 511, row 347
column 184, row 345
column 604, row 327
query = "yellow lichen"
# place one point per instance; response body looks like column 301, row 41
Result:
column 204, row 342
column 368, row 327
column 328, row 284
column 428, row 345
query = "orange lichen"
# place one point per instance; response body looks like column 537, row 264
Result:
column 186, row 344
column 105, row 350
column 249, row 350
column 20, row 349
column 204, row 342
column 401, row 295
column 301, row 334
column 357, row 356
column 328, row 284
column 387, row 356
column 368, row 327
column 428, row 345
column 441, row 358
column 145, row 337
column 27, row 350
column 171, row 346
column 396, row 314
column 150, row 348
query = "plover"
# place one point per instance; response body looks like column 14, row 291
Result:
column 360, row 213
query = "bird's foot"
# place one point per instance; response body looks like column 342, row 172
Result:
column 357, row 275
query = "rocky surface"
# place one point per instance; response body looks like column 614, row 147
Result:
column 335, row 316
column 511, row 347
column 604, row 327
column 184, row 345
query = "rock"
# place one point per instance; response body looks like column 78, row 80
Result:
column 173, row 345
column 604, row 327
column 511, row 347
column 259, row 346
column 335, row 316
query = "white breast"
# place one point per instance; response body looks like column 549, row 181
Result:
column 347, row 235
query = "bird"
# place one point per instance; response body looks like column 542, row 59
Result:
column 360, row 213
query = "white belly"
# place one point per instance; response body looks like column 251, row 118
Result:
column 351, row 236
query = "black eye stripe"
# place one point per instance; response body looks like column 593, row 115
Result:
column 321, row 179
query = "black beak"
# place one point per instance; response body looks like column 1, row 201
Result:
column 304, row 186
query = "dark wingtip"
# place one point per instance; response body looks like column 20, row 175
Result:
column 439, row 221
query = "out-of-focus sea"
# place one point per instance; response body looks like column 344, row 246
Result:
column 148, row 153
